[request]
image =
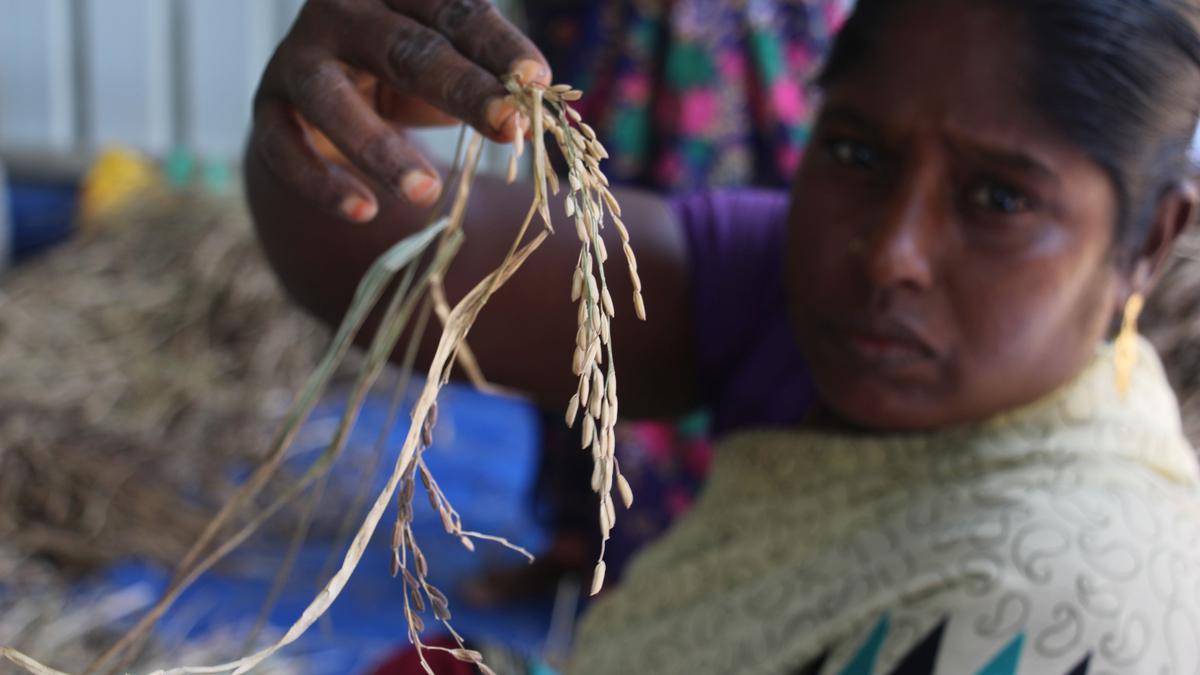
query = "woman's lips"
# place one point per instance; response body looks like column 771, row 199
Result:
column 881, row 343
column 880, row 347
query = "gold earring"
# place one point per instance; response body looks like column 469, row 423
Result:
column 1126, row 346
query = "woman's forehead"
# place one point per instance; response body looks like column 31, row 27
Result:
column 951, row 68
column 962, row 53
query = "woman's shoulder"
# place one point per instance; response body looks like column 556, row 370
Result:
column 733, row 215
column 747, row 358
column 735, row 238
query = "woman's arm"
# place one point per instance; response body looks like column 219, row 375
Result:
column 301, row 200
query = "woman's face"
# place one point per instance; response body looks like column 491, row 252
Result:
column 950, row 254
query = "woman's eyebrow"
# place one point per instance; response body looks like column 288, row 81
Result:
column 993, row 152
column 848, row 116
column 1006, row 156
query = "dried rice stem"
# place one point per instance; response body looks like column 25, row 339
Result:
column 27, row 663
column 456, row 328
column 367, row 294
column 467, row 359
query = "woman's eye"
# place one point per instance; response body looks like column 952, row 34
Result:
column 999, row 198
column 854, row 154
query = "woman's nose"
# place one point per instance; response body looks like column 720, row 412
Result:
column 899, row 249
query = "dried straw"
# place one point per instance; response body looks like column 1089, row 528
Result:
column 138, row 366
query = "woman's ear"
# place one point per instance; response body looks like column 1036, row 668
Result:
column 1176, row 211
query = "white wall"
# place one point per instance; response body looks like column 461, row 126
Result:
column 218, row 82
column 37, row 76
column 76, row 75
column 126, row 57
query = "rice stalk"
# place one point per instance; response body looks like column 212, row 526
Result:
column 587, row 202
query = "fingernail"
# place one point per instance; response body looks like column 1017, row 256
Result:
column 420, row 188
column 499, row 113
column 358, row 209
column 522, row 124
column 528, row 70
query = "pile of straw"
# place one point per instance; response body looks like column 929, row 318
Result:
column 138, row 364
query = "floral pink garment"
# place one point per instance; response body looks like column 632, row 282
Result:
column 692, row 94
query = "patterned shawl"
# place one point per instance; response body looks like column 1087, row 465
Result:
column 1060, row 538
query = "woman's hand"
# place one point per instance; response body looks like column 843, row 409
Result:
column 351, row 75
column 329, row 145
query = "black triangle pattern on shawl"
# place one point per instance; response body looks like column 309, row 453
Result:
column 1082, row 667
column 922, row 658
column 813, row 667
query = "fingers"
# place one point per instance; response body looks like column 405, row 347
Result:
column 281, row 144
column 479, row 32
column 419, row 61
column 411, row 112
column 322, row 92
column 328, row 99
column 432, row 58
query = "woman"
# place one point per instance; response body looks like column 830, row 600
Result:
column 992, row 185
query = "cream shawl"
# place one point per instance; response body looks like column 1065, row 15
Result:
column 1060, row 538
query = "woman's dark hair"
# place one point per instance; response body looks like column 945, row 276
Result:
column 1119, row 78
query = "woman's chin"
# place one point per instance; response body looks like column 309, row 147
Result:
column 880, row 406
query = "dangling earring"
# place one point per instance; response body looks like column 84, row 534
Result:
column 1126, row 346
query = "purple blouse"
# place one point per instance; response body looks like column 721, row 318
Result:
column 751, row 370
